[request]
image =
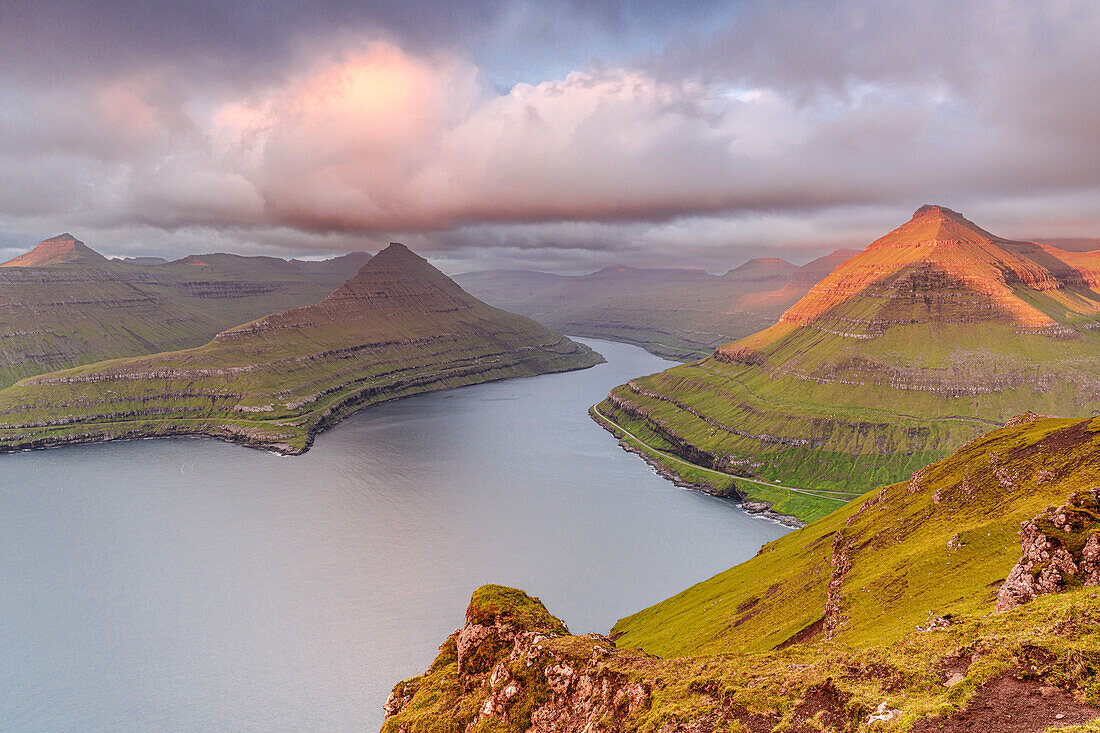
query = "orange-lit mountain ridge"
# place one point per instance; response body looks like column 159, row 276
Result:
column 64, row 249
column 931, row 335
column 940, row 266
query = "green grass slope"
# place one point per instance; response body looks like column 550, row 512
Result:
column 936, row 545
column 880, row 617
column 62, row 304
column 399, row 327
column 936, row 333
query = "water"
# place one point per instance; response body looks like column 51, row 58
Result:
column 192, row 585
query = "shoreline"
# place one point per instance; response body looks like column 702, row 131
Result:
column 759, row 509
column 333, row 416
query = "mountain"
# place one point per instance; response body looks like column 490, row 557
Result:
column 64, row 249
column 144, row 261
column 964, row 599
column 934, row 333
column 398, row 327
column 65, row 304
column 677, row 313
column 1073, row 244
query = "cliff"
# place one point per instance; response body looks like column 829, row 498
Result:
column 398, row 327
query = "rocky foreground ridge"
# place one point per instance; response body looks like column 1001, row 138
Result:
column 514, row 667
column 934, row 333
column 887, row 615
column 398, row 327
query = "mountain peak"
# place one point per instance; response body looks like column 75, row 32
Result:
column 59, row 250
column 65, row 238
column 933, row 223
column 398, row 278
column 941, row 245
column 394, row 249
column 940, row 212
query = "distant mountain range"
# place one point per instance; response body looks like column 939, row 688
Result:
column 398, row 327
column 677, row 313
column 933, row 334
column 63, row 304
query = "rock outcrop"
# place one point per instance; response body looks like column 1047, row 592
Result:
column 1060, row 550
column 513, row 666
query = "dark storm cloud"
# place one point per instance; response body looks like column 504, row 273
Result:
column 248, row 41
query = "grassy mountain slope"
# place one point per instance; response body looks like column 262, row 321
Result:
column 897, row 544
column 878, row 617
column 679, row 314
column 935, row 333
column 63, row 304
column 398, row 327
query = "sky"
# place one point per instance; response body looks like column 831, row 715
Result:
column 562, row 135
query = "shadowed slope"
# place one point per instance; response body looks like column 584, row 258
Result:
column 680, row 314
column 931, row 335
column 63, row 304
column 398, row 327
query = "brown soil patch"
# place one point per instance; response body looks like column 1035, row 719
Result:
column 891, row 678
column 1074, row 435
column 1009, row 705
column 805, row 634
column 823, row 703
column 758, row 724
column 953, row 664
column 1034, row 661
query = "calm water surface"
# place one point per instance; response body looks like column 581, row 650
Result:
column 192, row 585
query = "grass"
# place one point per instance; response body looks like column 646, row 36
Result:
column 853, row 431
column 770, row 689
column 902, row 569
column 903, row 353
column 728, row 653
column 54, row 318
column 278, row 381
column 803, row 504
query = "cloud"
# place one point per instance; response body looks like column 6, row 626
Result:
column 774, row 127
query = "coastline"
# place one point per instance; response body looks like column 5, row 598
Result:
column 761, row 509
column 333, row 415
